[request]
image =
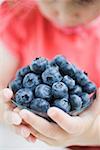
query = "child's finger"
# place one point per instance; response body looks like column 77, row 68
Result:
column 41, row 137
column 6, row 95
column 70, row 124
column 31, row 139
column 41, row 125
column 17, row 110
column 12, row 118
column 9, row 106
column 22, row 130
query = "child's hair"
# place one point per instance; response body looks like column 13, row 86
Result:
column 14, row 8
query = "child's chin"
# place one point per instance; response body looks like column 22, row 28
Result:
column 65, row 26
column 68, row 29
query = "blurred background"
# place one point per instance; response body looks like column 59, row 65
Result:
column 10, row 141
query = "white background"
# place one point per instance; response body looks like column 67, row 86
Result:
column 1, row 1
column 10, row 141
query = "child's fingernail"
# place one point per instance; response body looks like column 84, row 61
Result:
column 16, row 119
column 25, row 132
column 7, row 94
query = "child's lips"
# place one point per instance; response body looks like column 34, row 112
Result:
column 70, row 30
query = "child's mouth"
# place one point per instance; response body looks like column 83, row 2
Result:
column 70, row 30
column 74, row 29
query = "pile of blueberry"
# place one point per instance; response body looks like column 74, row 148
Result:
column 44, row 84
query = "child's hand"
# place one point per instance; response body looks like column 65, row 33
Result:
column 80, row 130
column 11, row 116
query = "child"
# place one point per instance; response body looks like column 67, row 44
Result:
column 46, row 28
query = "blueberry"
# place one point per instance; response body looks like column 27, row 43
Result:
column 62, row 104
column 31, row 80
column 39, row 105
column 15, row 85
column 51, row 75
column 59, row 90
column 52, row 63
column 76, row 90
column 60, row 60
column 69, row 82
column 89, row 88
column 24, row 96
column 85, row 99
column 23, row 71
column 43, row 91
column 69, row 69
column 81, row 78
column 76, row 102
column 62, row 63
column 39, row 65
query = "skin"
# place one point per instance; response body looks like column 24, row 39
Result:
column 81, row 130
column 69, row 13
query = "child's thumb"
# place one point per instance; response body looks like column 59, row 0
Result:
column 70, row 124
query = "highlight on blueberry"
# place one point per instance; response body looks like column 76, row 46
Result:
column 52, row 83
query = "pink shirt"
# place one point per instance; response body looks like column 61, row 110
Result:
column 28, row 35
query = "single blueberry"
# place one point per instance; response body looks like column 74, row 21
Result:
column 23, row 96
column 76, row 102
column 23, row 71
column 69, row 82
column 43, row 91
column 52, row 63
column 89, row 88
column 15, row 85
column 60, row 60
column 85, row 99
column 62, row 104
column 81, row 78
column 69, row 69
column 76, row 90
column 51, row 75
column 59, row 90
column 39, row 65
column 31, row 80
column 39, row 105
